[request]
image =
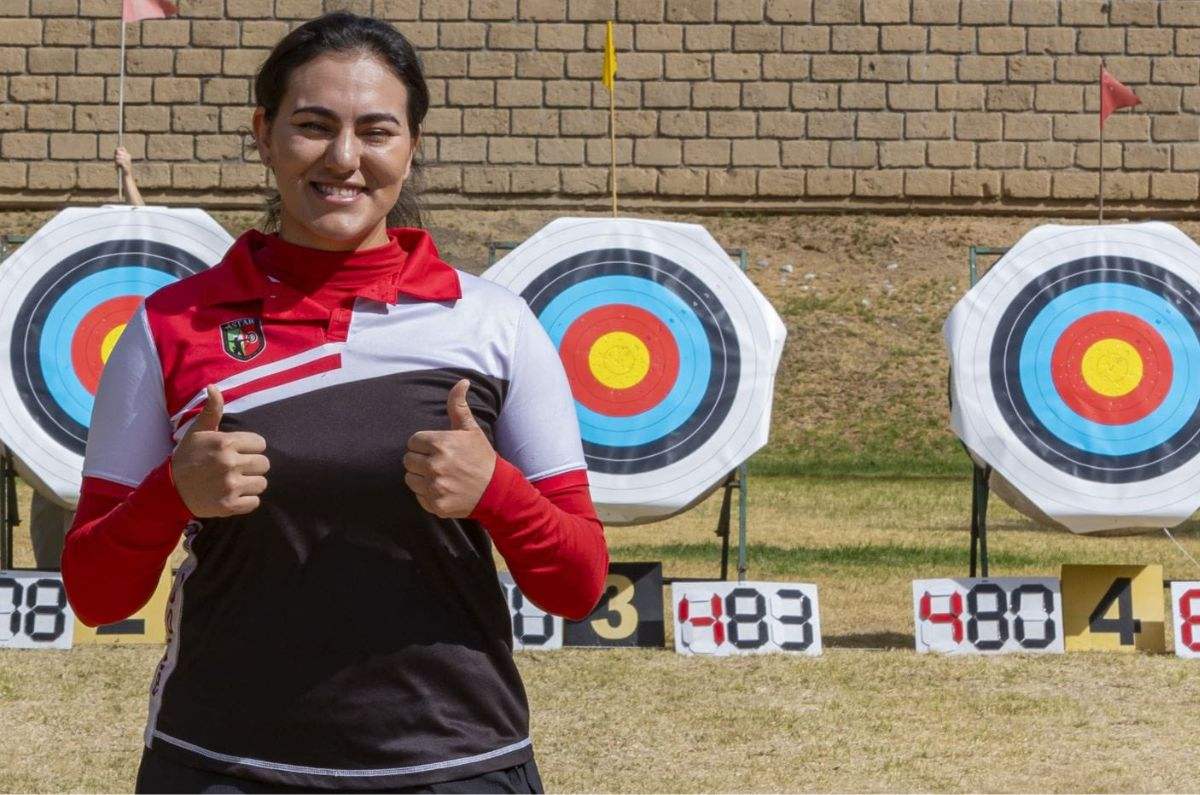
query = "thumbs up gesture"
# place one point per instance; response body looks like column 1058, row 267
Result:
column 219, row 473
column 449, row 470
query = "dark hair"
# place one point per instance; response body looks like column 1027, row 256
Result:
column 343, row 32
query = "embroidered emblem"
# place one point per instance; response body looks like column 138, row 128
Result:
column 243, row 339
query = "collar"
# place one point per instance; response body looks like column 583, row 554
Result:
column 423, row 275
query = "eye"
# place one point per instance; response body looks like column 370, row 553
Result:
column 312, row 125
column 379, row 135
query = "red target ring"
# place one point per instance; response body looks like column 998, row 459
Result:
column 87, row 344
column 590, row 328
column 1067, row 368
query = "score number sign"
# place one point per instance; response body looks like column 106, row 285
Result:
column 723, row 618
column 34, row 613
column 1185, row 610
column 1114, row 608
column 988, row 616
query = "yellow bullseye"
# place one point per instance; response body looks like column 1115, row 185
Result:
column 110, row 340
column 619, row 360
column 1112, row 367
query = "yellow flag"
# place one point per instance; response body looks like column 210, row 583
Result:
column 609, row 78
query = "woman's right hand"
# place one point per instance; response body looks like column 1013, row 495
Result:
column 219, row 473
column 123, row 160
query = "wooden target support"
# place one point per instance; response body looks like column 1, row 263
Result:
column 737, row 479
column 10, row 517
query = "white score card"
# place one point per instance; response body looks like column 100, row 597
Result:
column 988, row 616
column 1185, row 611
column 34, row 613
column 723, row 618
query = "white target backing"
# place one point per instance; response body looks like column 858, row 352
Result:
column 1076, row 373
column 670, row 350
column 65, row 297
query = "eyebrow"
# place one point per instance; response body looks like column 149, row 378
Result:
column 367, row 118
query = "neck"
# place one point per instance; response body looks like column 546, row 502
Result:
column 294, row 233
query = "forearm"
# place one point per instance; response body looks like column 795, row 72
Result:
column 132, row 194
column 549, row 535
column 118, row 544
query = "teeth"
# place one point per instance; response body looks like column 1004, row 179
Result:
column 331, row 190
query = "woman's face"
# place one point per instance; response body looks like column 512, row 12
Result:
column 340, row 149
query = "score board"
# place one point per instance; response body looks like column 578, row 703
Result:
column 722, row 618
column 1185, row 614
column 988, row 616
column 34, row 612
column 1113, row 608
column 533, row 627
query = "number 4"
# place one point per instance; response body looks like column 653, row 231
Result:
column 1124, row 624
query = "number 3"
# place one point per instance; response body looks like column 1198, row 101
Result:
column 618, row 596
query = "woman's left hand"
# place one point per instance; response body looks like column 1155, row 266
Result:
column 449, row 470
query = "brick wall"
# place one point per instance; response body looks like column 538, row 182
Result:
column 765, row 102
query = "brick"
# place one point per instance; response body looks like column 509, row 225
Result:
column 137, row 89
column 903, row 38
column 683, row 123
column 494, row 64
column 667, row 38
column 1146, row 157
column 1027, row 185
column 95, row 118
column 1178, row 127
column 911, row 97
column 195, row 176
column 512, row 150
column 767, row 95
column 808, row 38
column 1155, row 99
column 879, row 183
column 853, row 154
column 1034, row 12
column 640, row 10
column 707, row 152
column 1126, row 127
column 262, row 33
column 863, row 96
column 982, row 69
column 805, row 153
column 534, row 180
column 886, row 11
column 777, row 124
column 307, row 9
column 541, row 64
column 17, row 8
column 147, row 118
column 1075, row 185
column 1077, row 69
column 217, row 147
column 835, row 67
column 472, row 35
column 487, row 9
column 1001, row 154
column 1133, row 12
column 900, row 154
column 732, row 124
column 951, row 39
column 591, row 10
column 927, row 182
column 1054, row 41
column 739, row 11
column 12, row 117
column 976, row 184
column 831, row 125
column 52, row 176
column 936, row 12
column 1149, row 42
column 853, row 38
column 1184, row 71
column 931, row 68
column 176, row 89
column 560, row 36
column 1088, row 155
column 1173, row 187
column 1101, row 40
column 97, row 176
column 1049, row 154
column 1059, row 98
column 736, row 66
column 716, row 95
column 688, row 66
column 170, row 147
column 953, row 96
column 511, row 37
column 781, row 182
column 985, row 12
column 445, row 64
column 951, row 154
column 691, row 10
column 24, row 145
column 1186, row 157
column 873, row 126
column 12, row 60
column 226, row 91
column 830, row 182
column 471, row 92
column 1076, row 128
column 240, row 175
column 1001, row 40
column 1187, row 42
column 1083, row 12
column 732, row 182
column 542, row 10
column 564, row 151
column 240, row 62
column 757, row 38
column 197, row 62
column 464, row 150
column 815, row 96
column 1179, row 12
column 1010, row 97
column 886, row 68
column 41, row 8
column 67, row 32
column 927, row 125
column 1030, row 69
column 668, row 95
column 837, row 11
column 584, row 181
column 753, row 153
column 580, row 122
column 47, row 117
column 1118, row 185
column 249, row 9
column 28, row 88
column 72, row 146
column 21, row 31
column 716, row 38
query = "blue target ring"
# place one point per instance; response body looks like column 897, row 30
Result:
column 1023, row 382
column 1112, row 440
column 50, row 314
column 695, row 357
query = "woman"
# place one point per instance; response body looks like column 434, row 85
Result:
column 340, row 424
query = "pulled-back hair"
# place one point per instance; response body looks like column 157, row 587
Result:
column 343, row 32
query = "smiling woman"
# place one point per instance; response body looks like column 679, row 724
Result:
column 341, row 426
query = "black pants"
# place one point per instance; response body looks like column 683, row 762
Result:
column 158, row 774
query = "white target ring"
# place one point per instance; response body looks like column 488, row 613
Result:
column 1076, row 374
column 65, row 296
column 670, row 350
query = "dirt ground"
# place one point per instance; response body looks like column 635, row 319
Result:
column 862, row 384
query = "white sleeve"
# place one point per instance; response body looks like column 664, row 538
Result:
column 130, row 433
column 538, row 431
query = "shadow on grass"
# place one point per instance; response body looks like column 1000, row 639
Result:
column 868, row 640
column 762, row 557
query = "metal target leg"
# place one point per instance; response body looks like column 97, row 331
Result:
column 743, row 565
column 979, row 501
column 723, row 522
column 9, row 518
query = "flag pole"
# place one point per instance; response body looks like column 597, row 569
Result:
column 612, row 130
column 121, row 108
column 1100, row 218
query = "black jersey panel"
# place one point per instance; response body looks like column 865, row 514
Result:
column 340, row 625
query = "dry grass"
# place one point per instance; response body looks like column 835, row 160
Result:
column 870, row 715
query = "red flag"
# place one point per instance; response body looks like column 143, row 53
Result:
column 1113, row 95
column 147, row 9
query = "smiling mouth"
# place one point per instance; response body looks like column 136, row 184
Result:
column 338, row 194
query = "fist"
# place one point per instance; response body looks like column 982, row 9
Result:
column 122, row 159
column 449, row 470
column 217, row 473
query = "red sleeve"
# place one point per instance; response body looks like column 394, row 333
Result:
column 549, row 535
column 118, row 544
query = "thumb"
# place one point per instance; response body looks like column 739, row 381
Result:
column 209, row 418
column 461, row 418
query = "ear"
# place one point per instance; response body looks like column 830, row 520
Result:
column 411, row 154
column 262, row 134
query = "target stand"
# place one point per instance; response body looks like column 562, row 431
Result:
column 737, row 480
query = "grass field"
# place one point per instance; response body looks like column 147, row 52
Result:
column 869, row 715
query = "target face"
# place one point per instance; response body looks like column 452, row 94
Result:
column 1076, row 373
column 65, row 297
column 669, row 349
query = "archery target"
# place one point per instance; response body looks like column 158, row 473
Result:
column 669, row 349
column 65, row 297
column 1076, row 373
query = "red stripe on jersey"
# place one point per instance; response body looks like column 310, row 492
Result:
column 322, row 365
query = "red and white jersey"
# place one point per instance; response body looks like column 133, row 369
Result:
column 339, row 635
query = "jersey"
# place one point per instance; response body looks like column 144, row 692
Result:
column 339, row 635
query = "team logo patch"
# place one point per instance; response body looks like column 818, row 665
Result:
column 243, row 339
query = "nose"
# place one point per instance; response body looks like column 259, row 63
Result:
column 343, row 152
